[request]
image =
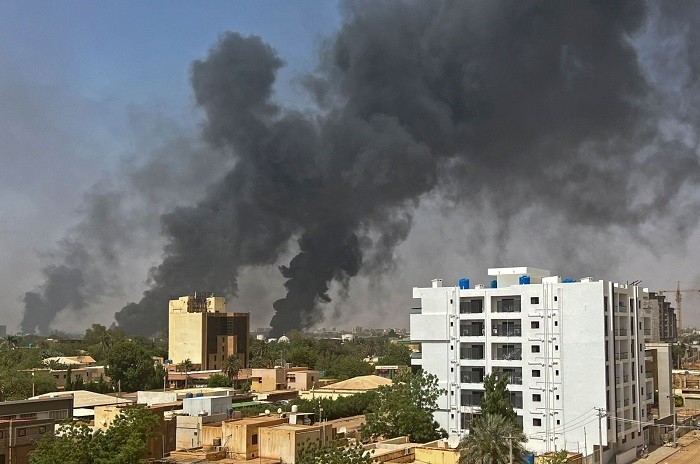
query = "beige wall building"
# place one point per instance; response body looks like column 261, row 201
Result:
column 284, row 441
column 201, row 330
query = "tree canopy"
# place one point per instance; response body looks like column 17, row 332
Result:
column 129, row 366
column 496, row 400
column 333, row 453
column 488, row 441
column 124, row 442
column 405, row 408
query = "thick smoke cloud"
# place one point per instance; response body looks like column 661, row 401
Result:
column 512, row 105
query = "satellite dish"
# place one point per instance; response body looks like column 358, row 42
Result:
column 453, row 440
column 343, row 430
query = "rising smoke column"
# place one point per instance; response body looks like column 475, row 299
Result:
column 512, row 102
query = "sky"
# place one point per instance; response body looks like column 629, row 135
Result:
column 90, row 89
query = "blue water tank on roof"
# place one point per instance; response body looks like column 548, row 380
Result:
column 199, row 395
column 189, row 395
column 568, row 280
column 524, row 280
column 464, row 283
column 493, row 284
column 530, row 458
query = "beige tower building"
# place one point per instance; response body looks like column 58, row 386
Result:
column 200, row 329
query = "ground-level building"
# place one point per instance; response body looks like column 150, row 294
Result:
column 571, row 349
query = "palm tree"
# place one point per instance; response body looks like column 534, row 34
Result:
column 11, row 341
column 487, row 442
column 231, row 366
column 186, row 366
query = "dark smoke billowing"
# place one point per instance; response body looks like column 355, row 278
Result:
column 508, row 103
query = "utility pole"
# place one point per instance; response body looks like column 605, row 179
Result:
column 601, row 414
column 585, row 445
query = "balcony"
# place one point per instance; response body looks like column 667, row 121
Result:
column 471, row 329
column 471, row 398
column 505, row 353
column 471, row 306
column 515, row 377
column 506, row 305
column 621, row 332
column 473, row 352
column 417, row 355
column 506, row 330
column 649, row 375
column 472, row 375
column 647, row 331
column 621, row 355
column 650, row 396
column 416, row 310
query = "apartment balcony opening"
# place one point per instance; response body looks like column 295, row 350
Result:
column 513, row 374
column 471, row 351
column 516, row 399
column 510, row 304
column 471, row 328
column 467, row 419
column 471, row 397
column 507, row 351
column 472, row 375
column 506, row 328
column 471, row 305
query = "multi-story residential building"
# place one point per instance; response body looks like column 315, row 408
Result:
column 663, row 318
column 202, row 331
column 570, row 349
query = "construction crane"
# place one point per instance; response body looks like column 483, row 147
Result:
column 679, row 298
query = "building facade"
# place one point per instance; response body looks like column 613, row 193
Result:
column 201, row 330
column 663, row 318
column 570, row 349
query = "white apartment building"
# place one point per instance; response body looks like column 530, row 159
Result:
column 568, row 347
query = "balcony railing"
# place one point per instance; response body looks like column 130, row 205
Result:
column 471, row 353
column 472, row 377
column 621, row 355
column 506, row 331
column 647, row 331
column 621, row 332
column 650, row 396
column 417, row 355
column 473, row 330
column 649, row 375
column 507, row 306
column 416, row 310
column 508, row 355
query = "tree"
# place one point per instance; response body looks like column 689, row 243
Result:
column 488, row 441
column 559, row 457
column 218, row 380
column 11, row 341
column 230, row 367
column 333, row 453
column 17, row 385
column 129, row 366
column 186, row 366
column 396, row 355
column 496, row 400
column 124, row 442
column 405, row 408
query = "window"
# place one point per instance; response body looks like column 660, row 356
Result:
column 254, row 439
column 535, row 324
column 42, row 429
column 556, row 323
column 22, row 432
column 535, row 348
column 555, row 298
column 536, row 397
column 558, row 422
column 556, row 372
column 535, row 373
column 556, row 347
column 535, row 300
column 537, row 422
column 557, row 396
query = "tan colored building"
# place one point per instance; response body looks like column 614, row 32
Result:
column 301, row 378
column 284, row 441
column 264, row 380
column 202, row 331
column 86, row 374
column 241, row 438
column 347, row 387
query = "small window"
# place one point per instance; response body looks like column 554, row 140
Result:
column 556, row 347
column 556, row 323
column 254, row 439
column 556, row 372
column 537, row 422
column 558, row 422
column 535, row 300
column 535, row 324
column 22, row 432
column 557, row 396
column 535, row 348
column 555, row 298
column 535, row 373
column 42, row 429
column 536, row 397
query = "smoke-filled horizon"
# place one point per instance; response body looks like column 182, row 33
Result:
column 504, row 105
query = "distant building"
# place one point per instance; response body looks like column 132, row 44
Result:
column 3, row 330
column 18, row 438
column 566, row 346
column 283, row 378
column 202, row 331
column 663, row 318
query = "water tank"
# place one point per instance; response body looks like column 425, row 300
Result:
column 493, row 284
column 530, row 458
column 568, row 280
column 524, row 280
column 295, row 408
column 216, row 442
column 189, row 395
column 283, row 339
column 199, row 395
column 464, row 283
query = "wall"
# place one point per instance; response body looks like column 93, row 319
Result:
column 210, row 404
column 437, row 456
column 185, row 335
column 241, row 437
column 284, row 442
column 25, row 434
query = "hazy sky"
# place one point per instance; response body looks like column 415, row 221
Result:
column 90, row 89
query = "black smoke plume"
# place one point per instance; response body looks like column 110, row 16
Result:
column 504, row 103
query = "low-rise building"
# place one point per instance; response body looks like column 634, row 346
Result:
column 58, row 408
column 18, row 438
column 349, row 387
column 286, row 440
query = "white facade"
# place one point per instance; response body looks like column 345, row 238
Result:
column 568, row 348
